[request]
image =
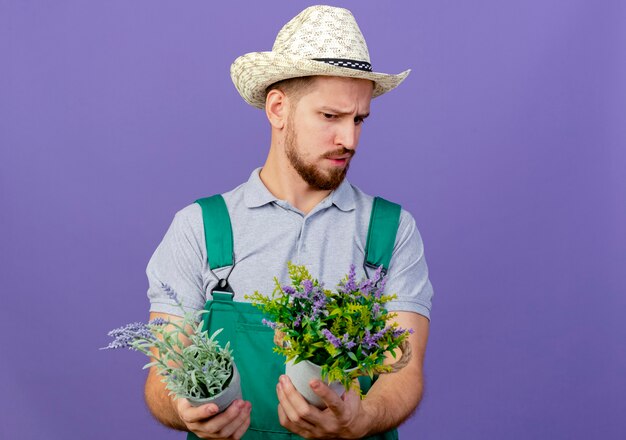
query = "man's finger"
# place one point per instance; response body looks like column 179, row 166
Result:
column 332, row 400
column 296, row 408
column 289, row 425
column 241, row 419
column 217, row 423
column 242, row 428
column 194, row 414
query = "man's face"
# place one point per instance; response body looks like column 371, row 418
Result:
column 323, row 129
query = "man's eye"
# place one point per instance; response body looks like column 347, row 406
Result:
column 329, row 116
column 359, row 121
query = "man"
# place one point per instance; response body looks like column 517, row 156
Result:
column 315, row 87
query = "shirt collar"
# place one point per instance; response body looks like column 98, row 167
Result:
column 343, row 197
column 256, row 193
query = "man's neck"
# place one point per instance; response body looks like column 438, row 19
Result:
column 284, row 182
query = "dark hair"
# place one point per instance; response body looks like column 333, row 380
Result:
column 294, row 88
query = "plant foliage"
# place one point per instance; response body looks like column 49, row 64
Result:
column 347, row 332
column 193, row 365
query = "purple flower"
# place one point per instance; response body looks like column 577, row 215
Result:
column 365, row 286
column 331, row 338
column 376, row 310
column 123, row 337
column 400, row 331
column 293, row 292
column 298, row 321
column 381, row 287
column 158, row 321
column 371, row 341
column 351, row 285
column 347, row 343
column 378, row 273
column 319, row 303
column 367, row 341
column 381, row 333
column 300, row 295
column 308, row 286
column 289, row 290
column 270, row 324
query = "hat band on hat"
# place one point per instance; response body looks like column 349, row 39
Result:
column 350, row 64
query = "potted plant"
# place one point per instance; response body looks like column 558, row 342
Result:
column 193, row 365
column 333, row 335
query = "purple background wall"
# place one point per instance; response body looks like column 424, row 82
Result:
column 507, row 143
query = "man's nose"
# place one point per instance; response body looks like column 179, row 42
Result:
column 348, row 135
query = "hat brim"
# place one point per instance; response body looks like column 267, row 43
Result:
column 254, row 72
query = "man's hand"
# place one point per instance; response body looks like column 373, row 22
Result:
column 339, row 420
column 203, row 421
column 385, row 407
column 180, row 414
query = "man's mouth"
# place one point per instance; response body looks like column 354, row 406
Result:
column 339, row 160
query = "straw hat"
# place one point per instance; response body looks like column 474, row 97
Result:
column 321, row 40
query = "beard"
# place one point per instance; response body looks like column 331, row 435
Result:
column 317, row 178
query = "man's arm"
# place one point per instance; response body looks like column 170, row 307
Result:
column 180, row 414
column 390, row 401
column 394, row 397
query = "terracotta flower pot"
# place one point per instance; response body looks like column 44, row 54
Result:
column 226, row 397
column 302, row 373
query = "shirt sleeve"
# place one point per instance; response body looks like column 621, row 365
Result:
column 408, row 272
column 176, row 266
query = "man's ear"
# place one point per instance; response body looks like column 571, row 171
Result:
column 276, row 108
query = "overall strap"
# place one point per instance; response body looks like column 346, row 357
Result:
column 218, row 235
column 381, row 235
